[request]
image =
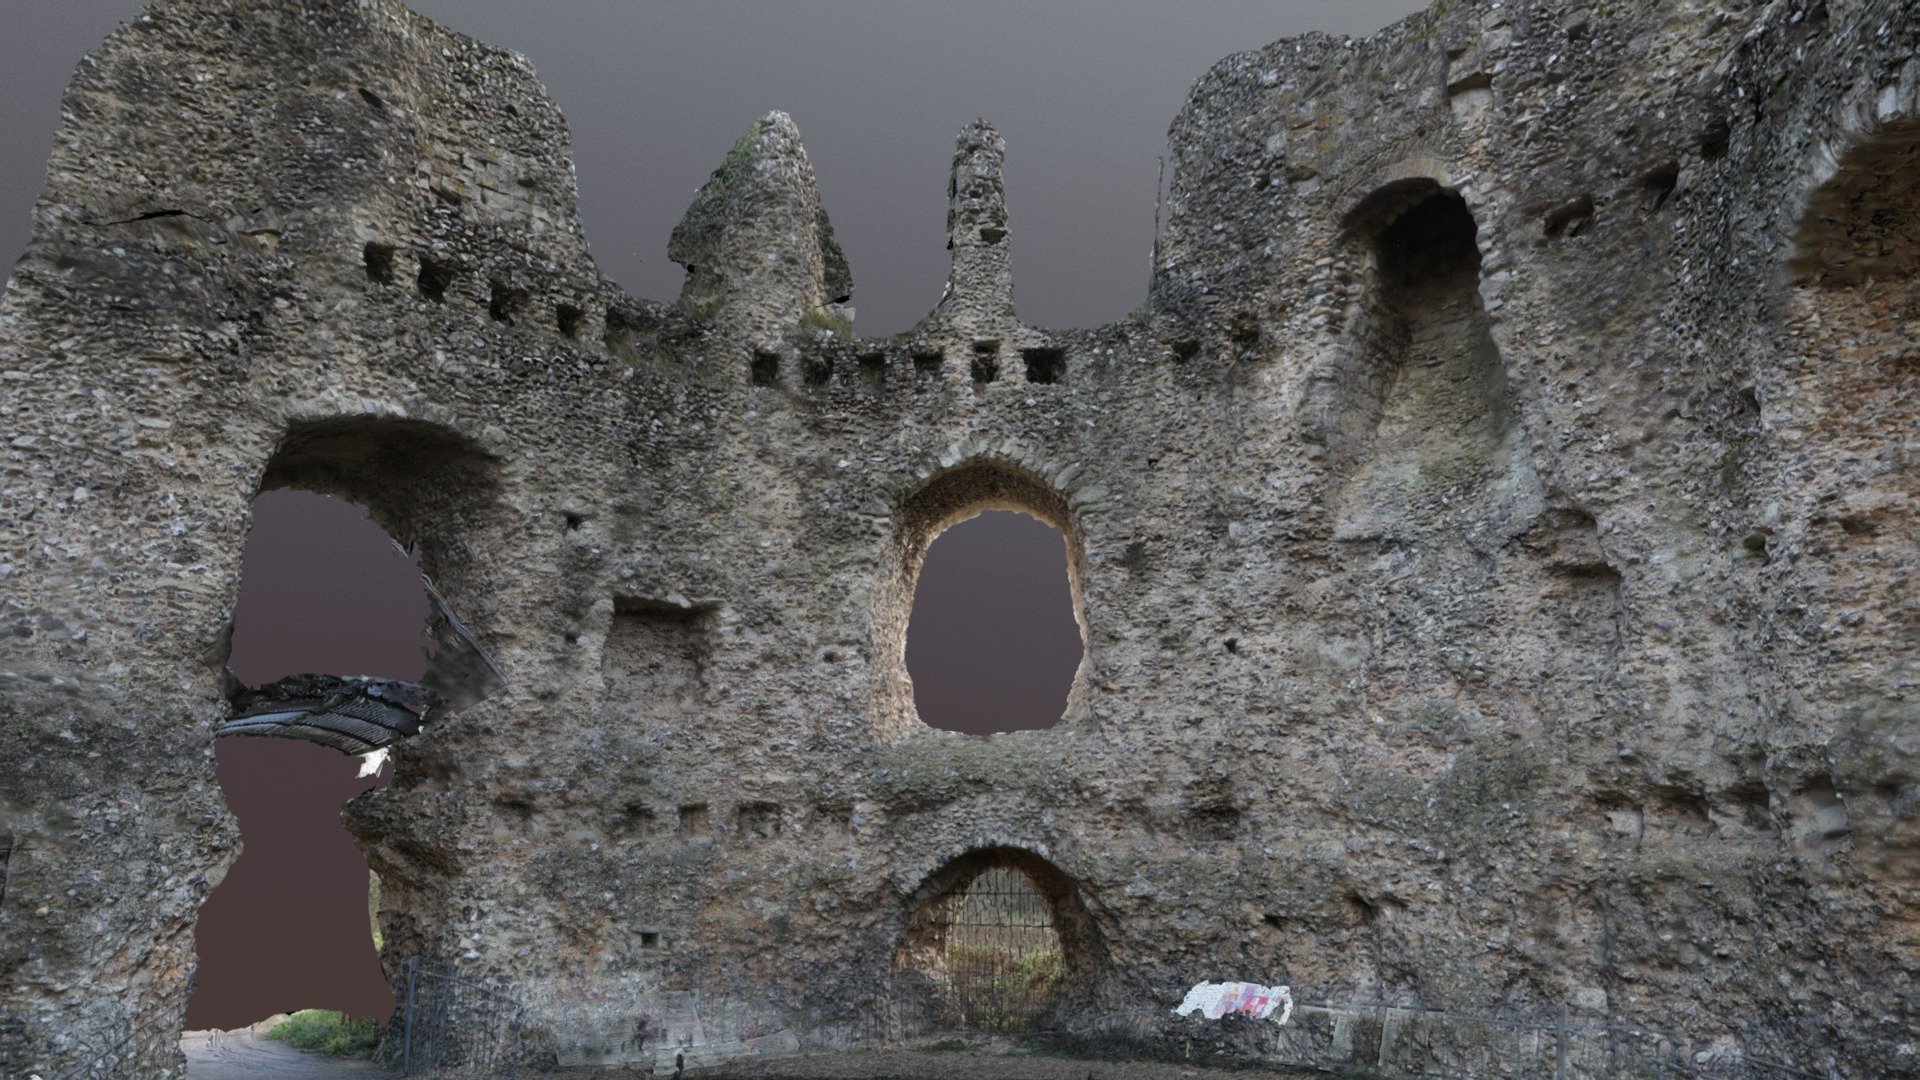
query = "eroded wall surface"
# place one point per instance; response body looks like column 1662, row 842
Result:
column 1493, row 536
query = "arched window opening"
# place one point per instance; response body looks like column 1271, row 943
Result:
column 992, row 644
column 987, row 570
column 1426, row 424
column 999, row 941
column 323, row 591
column 419, row 482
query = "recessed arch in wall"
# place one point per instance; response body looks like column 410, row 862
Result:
column 999, row 939
column 1863, row 222
column 950, row 497
column 1848, row 376
column 1422, row 426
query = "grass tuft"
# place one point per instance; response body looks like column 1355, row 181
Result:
column 328, row 1032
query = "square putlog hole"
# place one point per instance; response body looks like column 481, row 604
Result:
column 379, row 261
column 505, row 303
column 695, row 820
column 766, row 369
column 1045, row 366
column 986, row 362
column 927, row 363
column 435, row 279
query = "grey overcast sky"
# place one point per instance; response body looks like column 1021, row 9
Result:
column 657, row 91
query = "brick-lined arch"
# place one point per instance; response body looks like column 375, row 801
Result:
column 953, row 495
column 922, row 957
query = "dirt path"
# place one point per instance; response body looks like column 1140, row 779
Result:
column 247, row 1053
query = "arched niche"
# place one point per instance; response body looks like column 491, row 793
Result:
column 1863, row 223
column 944, row 500
column 1420, row 421
column 998, row 939
column 1832, row 416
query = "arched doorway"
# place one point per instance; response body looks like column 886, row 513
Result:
column 998, row 940
column 353, row 650
column 323, row 589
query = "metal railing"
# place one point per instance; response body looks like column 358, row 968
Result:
column 452, row 1021
column 448, row 1020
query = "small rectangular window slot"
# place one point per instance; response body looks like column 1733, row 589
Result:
column 435, row 279
column 766, row 368
column 873, row 368
column 1046, row 366
column 568, row 318
column 927, row 363
column 504, row 302
column 695, row 820
column 635, row 820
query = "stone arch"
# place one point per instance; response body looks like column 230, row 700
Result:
column 1861, row 221
column 950, row 496
column 421, row 481
column 426, row 485
column 1420, row 421
column 1848, row 376
column 929, row 961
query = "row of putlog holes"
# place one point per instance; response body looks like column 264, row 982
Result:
column 1045, row 366
column 505, row 304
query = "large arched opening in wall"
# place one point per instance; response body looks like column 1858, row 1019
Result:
column 986, row 620
column 997, row 940
column 338, row 646
column 292, row 925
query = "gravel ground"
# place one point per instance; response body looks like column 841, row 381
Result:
column 246, row 1053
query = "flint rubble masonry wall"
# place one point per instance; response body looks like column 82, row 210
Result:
column 1493, row 534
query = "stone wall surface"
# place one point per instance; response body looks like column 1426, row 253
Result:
column 1493, row 537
